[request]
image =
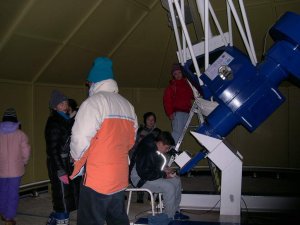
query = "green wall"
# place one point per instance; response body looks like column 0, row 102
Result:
column 273, row 144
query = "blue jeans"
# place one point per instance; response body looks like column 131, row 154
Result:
column 178, row 124
column 96, row 208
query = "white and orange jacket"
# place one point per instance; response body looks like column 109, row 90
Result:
column 103, row 133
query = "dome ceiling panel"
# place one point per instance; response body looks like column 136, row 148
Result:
column 54, row 19
column 22, row 58
column 109, row 23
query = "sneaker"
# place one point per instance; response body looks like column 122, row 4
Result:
column 180, row 216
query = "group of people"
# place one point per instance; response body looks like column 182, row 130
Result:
column 148, row 167
column 88, row 150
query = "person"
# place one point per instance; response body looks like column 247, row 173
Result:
column 150, row 171
column 177, row 101
column 73, row 108
column 148, row 127
column 14, row 155
column 72, row 111
column 57, row 136
column 102, row 135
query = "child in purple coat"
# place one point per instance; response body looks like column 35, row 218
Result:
column 14, row 155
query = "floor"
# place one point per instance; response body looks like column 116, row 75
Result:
column 34, row 207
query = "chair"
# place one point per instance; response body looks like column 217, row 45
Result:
column 132, row 189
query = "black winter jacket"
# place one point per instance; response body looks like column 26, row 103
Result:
column 57, row 134
column 148, row 162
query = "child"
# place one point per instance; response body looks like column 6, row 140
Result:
column 177, row 101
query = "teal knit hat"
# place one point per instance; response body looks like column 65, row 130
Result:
column 101, row 70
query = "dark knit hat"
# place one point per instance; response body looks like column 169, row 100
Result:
column 56, row 98
column 101, row 70
column 10, row 115
column 176, row 66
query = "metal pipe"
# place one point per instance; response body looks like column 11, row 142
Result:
column 34, row 184
column 201, row 9
column 213, row 14
column 229, row 21
column 246, row 24
column 244, row 37
column 184, row 53
column 188, row 41
column 206, row 34
column 175, row 30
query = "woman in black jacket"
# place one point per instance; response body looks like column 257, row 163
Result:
column 57, row 135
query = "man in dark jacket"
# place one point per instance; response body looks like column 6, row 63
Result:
column 57, row 135
column 150, row 171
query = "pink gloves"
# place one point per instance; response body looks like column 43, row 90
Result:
column 64, row 179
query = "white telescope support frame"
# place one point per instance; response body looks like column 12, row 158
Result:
column 230, row 164
column 221, row 155
column 211, row 42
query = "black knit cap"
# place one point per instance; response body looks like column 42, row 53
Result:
column 10, row 115
column 56, row 98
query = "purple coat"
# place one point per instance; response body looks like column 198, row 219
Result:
column 14, row 150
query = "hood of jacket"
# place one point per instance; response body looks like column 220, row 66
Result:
column 8, row 127
column 108, row 85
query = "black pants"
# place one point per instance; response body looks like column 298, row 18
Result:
column 95, row 208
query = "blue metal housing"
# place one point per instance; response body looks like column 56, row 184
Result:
column 249, row 95
column 246, row 94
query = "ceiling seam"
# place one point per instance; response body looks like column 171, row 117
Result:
column 133, row 28
column 38, row 38
column 66, row 41
column 140, row 4
column 12, row 28
column 14, row 81
column 58, row 85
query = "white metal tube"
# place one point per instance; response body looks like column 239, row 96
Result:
column 188, row 40
column 206, row 34
column 201, row 9
column 184, row 52
column 229, row 21
column 213, row 14
column 246, row 24
column 238, row 22
column 175, row 30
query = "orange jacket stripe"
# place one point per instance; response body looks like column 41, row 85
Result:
column 107, row 157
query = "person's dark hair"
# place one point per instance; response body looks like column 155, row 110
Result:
column 148, row 114
column 73, row 104
column 166, row 138
column 156, row 131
